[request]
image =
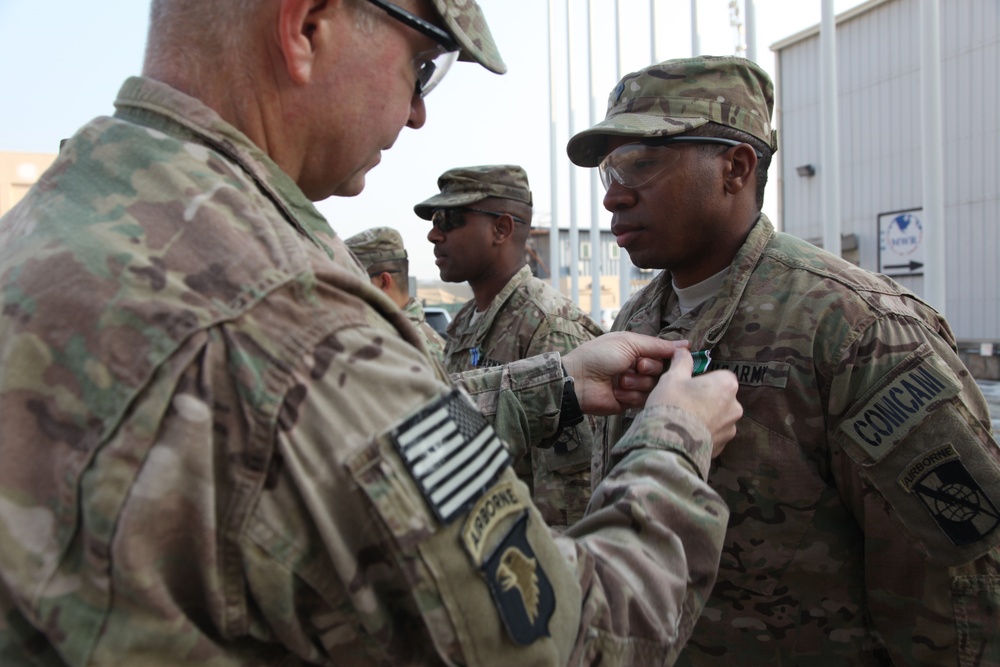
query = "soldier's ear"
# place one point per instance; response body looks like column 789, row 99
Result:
column 503, row 228
column 739, row 168
column 303, row 29
column 382, row 280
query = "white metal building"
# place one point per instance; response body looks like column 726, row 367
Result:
column 881, row 201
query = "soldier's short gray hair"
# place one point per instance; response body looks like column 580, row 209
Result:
column 196, row 35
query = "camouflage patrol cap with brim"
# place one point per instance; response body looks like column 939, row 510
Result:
column 677, row 96
column 466, row 23
column 376, row 245
column 467, row 185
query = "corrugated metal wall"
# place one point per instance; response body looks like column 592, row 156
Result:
column 878, row 70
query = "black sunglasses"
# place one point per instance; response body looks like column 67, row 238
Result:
column 447, row 219
column 431, row 66
column 420, row 25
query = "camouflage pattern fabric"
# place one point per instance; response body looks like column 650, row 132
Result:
column 433, row 341
column 463, row 186
column 465, row 22
column 863, row 481
column 526, row 318
column 376, row 246
column 203, row 402
column 679, row 95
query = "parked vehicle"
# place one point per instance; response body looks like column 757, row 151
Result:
column 438, row 318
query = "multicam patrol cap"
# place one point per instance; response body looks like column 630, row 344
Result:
column 467, row 185
column 376, row 245
column 677, row 96
column 465, row 22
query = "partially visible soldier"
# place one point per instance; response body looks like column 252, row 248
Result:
column 221, row 445
column 481, row 221
column 863, row 482
column 383, row 257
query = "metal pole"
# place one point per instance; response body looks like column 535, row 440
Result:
column 695, row 40
column 595, row 200
column 652, row 32
column 750, row 25
column 933, row 154
column 574, row 232
column 624, row 261
column 830, row 131
column 555, row 268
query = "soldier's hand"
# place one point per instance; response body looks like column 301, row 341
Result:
column 710, row 397
column 617, row 371
column 634, row 385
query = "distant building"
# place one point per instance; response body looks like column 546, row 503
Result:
column 18, row 172
column 437, row 293
column 881, row 199
column 451, row 296
column 610, row 257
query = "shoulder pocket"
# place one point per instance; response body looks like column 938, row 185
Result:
column 464, row 562
column 917, row 443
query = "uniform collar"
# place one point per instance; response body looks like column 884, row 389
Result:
column 486, row 320
column 717, row 316
column 706, row 325
column 158, row 106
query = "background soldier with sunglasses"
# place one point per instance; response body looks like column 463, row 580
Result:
column 863, row 483
column 220, row 444
column 481, row 222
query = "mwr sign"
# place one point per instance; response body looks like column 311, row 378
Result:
column 901, row 243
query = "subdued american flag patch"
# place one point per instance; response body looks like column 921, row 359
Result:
column 453, row 454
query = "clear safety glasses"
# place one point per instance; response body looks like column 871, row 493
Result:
column 634, row 165
column 447, row 219
column 430, row 65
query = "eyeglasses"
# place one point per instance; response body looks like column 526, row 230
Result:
column 633, row 165
column 431, row 65
column 447, row 219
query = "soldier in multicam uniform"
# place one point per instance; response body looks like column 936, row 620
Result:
column 219, row 445
column 481, row 223
column 863, row 482
column 383, row 257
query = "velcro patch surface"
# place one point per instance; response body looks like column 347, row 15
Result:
column 951, row 494
column 453, row 454
column 911, row 392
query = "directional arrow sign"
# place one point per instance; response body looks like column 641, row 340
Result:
column 901, row 243
column 911, row 267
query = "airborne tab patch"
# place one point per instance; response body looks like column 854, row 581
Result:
column 453, row 454
column 495, row 505
column 953, row 497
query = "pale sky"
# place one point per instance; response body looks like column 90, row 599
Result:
column 62, row 62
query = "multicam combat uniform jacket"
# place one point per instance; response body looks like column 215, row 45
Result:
column 432, row 339
column 202, row 436
column 863, row 482
column 526, row 318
